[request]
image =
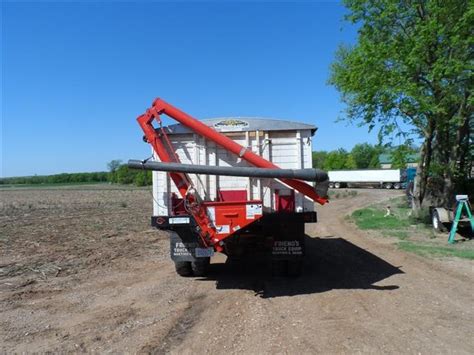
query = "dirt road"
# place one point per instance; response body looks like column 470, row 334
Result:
column 82, row 271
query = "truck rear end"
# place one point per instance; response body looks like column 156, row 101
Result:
column 243, row 214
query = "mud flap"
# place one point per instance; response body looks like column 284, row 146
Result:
column 288, row 243
column 287, row 257
column 186, row 247
column 287, row 249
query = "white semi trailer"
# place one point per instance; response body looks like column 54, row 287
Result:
column 382, row 178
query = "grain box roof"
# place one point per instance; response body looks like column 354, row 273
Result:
column 243, row 124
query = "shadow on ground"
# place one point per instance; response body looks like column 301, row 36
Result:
column 465, row 232
column 330, row 263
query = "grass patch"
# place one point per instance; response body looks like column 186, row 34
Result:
column 400, row 234
column 413, row 234
column 432, row 250
column 371, row 218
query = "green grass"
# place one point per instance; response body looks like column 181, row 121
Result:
column 400, row 234
column 371, row 218
column 413, row 235
column 431, row 250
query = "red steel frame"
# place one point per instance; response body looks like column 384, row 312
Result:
column 165, row 152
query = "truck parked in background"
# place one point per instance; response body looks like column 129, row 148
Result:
column 380, row 178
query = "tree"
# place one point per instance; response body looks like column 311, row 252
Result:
column 143, row 178
column 319, row 158
column 366, row 155
column 125, row 175
column 401, row 155
column 413, row 64
column 338, row 159
column 113, row 166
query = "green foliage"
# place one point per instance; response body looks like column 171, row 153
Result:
column 374, row 162
column 113, row 165
column 401, row 154
column 370, row 218
column 319, row 158
column 338, row 159
column 362, row 156
column 64, row 178
column 366, row 155
column 413, row 64
column 143, row 178
column 431, row 250
column 119, row 174
column 126, row 176
column 405, row 52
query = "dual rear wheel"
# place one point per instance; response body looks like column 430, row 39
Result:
column 198, row 267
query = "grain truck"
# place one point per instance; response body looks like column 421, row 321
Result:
column 232, row 185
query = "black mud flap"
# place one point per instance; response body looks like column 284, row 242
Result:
column 288, row 254
column 288, row 241
column 287, row 257
column 288, row 249
column 186, row 247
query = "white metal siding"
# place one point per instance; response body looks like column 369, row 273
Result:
column 287, row 149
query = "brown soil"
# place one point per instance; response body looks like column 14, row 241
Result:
column 81, row 270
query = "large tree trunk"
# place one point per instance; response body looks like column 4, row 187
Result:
column 456, row 148
column 421, row 178
column 447, row 146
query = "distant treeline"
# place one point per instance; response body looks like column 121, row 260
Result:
column 58, row 178
column 364, row 156
column 120, row 174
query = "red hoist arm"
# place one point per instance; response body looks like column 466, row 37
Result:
column 206, row 230
column 165, row 152
column 161, row 107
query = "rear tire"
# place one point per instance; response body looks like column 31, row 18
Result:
column 397, row 186
column 337, row 185
column 387, row 185
column 200, row 266
column 183, row 268
column 438, row 226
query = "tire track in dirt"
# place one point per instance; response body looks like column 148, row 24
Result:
column 180, row 328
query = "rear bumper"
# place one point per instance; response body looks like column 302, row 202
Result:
column 174, row 222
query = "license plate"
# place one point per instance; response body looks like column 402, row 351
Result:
column 204, row 252
column 179, row 220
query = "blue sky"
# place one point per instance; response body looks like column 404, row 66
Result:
column 76, row 75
